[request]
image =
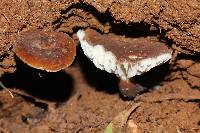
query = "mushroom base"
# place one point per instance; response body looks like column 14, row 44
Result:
column 129, row 89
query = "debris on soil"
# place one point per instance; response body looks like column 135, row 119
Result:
column 118, row 124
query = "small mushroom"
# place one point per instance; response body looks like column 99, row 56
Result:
column 50, row 51
column 125, row 57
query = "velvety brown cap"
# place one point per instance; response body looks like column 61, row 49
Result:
column 129, row 49
column 50, row 51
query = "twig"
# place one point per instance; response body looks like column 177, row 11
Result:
column 26, row 95
column 2, row 86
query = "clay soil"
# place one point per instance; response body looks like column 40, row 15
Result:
column 84, row 99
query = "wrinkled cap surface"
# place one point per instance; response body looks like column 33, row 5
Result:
column 126, row 57
column 50, row 51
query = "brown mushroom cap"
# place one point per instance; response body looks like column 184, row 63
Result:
column 126, row 57
column 125, row 48
column 50, row 51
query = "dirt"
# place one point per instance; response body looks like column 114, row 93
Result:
column 85, row 99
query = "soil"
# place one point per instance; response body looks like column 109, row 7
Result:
column 84, row 99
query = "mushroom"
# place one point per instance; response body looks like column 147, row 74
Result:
column 50, row 51
column 125, row 57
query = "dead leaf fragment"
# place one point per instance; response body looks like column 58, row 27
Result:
column 118, row 124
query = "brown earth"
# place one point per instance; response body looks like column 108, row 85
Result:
column 85, row 99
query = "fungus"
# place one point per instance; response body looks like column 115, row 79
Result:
column 50, row 51
column 125, row 57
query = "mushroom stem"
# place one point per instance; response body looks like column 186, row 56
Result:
column 129, row 88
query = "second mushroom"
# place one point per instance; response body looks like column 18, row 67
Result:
column 50, row 51
column 125, row 57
